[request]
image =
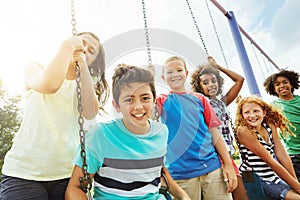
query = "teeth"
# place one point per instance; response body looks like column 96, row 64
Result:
column 139, row 115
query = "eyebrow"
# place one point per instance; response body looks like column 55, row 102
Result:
column 127, row 96
column 144, row 94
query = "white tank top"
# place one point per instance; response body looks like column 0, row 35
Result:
column 44, row 147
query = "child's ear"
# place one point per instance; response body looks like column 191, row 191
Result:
column 116, row 106
column 163, row 77
column 264, row 113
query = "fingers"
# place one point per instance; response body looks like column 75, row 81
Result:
column 230, row 179
column 79, row 56
column 211, row 60
column 75, row 43
column 79, row 44
column 231, row 184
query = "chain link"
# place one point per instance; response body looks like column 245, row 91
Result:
column 85, row 181
column 198, row 29
column 73, row 21
column 149, row 52
column 146, row 33
column 216, row 33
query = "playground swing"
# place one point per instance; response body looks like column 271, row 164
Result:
column 251, row 180
column 163, row 189
column 259, row 63
column 86, row 181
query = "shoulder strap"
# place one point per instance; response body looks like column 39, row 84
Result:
column 242, row 155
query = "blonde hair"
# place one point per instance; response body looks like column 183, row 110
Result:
column 174, row 58
column 273, row 116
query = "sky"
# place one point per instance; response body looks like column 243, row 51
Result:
column 35, row 29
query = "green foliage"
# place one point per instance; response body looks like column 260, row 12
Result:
column 236, row 157
column 9, row 120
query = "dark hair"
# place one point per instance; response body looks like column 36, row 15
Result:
column 97, row 70
column 126, row 74
column 291, row 75
column 205, row 69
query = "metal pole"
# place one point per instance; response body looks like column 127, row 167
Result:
column 245, row 33
column 252, row 84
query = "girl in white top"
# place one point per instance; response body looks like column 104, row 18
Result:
column 39, row 163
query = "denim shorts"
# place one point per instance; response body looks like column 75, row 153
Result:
column 275, row 191
column 20, row 189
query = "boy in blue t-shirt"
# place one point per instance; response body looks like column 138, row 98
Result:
column 194, row 141
column 125, row 156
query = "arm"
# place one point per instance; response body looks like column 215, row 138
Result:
column 175, row 190
column 238, row 81
column 48, row 80
column 281, row 153
column 74, row 190
column 248, row 139
column 88, row 95
column 159, row 101
column 228, row 171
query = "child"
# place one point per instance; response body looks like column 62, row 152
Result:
column 257, row 123
column 125, row 156
column 39, row 164
column 194, row 140
column 206, row 79
column 282, row 85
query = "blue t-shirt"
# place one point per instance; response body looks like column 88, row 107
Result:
column 126, row 165
column 191, row 152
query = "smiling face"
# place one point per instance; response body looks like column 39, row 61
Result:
column 253, row 115
column 136, row 102
column 209, row 84
column 283, row 88
column 175, row 75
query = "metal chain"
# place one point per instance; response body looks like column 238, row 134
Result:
column 258, row 62
column 149, row 51
column 223, row 54
column 198, row 29
column 216, row 33
column 85, row 181
column 146, row 34
column 73, row 21
column 234, row 134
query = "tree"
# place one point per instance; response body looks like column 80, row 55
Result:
column 10, row 120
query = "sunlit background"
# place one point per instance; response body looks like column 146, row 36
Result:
column 34, row 30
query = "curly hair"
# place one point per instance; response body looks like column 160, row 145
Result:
column 291, row 75
column 205, row 69
column 273, row 116
column 126, row 74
